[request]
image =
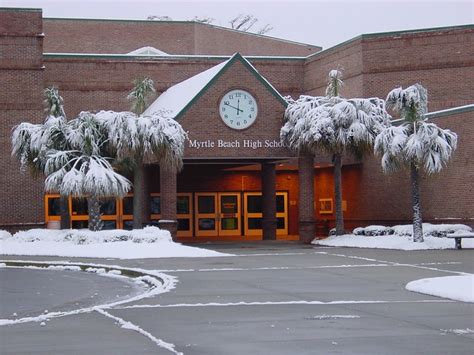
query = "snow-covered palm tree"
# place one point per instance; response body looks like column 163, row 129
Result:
column 82, row 170
column 31, row 142
column 141, row 139
column 416, row 143
column 334, row 125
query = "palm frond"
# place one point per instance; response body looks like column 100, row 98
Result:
column 140, row 93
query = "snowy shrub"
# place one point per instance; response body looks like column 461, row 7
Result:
column 372, row 231
column 406, row 230
column 84, row 236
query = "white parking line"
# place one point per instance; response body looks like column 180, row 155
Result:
column 271, row 268
column 278, row 303
column 131, row 326
column 418, row 266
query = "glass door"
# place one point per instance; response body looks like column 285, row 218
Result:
column 217, row 214
column 206, row 214
column 184, row 210
column 229, row 214
column 253, row 213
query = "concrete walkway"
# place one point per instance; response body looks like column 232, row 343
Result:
column 270, row 298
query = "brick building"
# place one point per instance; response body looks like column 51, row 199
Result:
column 231, row 176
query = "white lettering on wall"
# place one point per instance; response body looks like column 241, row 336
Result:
column 245, row 143
column 201, row 144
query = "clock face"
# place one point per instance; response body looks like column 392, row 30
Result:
column 238, row 109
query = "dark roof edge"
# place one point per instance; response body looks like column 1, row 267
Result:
column 20, row 9
column 387, row 34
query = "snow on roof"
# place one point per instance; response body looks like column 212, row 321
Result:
column 177, row 97
column 147, row 51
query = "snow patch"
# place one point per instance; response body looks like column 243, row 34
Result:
column 332, row 316
column 4, row 234
column 459, row 331
column 175, row 99
column 150, row 242
column 64, row 267
column 459, row 288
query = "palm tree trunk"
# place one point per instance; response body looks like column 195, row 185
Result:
column 416, row 204
column 64, row 212
column 95, row 224
column 138, row 195
column 338, row 194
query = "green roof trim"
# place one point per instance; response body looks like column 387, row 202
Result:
column 450, row 111
column 441, row 113
column 163, row 57
column 236, row 57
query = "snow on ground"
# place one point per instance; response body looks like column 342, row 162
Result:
column 4, row 234
column 150, row 242
column 399, row 237
column 459, row 288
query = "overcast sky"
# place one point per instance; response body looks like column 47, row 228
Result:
column 323, row 23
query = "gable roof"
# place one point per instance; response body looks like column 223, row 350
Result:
column 180, row 97
column 147, row 51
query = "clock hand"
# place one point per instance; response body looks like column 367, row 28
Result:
column 238, row 105
column 238, row 109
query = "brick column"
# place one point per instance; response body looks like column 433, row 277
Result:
column 269, row 221
column 307, row 226
column 168, row 219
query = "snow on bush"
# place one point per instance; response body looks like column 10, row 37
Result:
column 400, row 237
column 4, row 234
column 398, row 242
column 150, row 242
column 371, row 231
column 429, row 230
column 84, row 236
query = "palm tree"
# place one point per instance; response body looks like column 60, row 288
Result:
column 30, row 142
column 415, row 143
column 83, row 171
column 140, row 139
column 138, row 96
column 333, row 125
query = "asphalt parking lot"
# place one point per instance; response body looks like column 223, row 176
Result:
column 270, row 298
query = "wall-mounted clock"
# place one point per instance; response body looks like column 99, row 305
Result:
column 238, row 109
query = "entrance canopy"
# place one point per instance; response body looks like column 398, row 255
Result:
column 230, row 111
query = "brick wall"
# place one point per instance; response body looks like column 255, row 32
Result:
column 21, row 75
column 99, row 83
column 347, row 57
column 220, row 40
column 441, row 60
column 172, row 37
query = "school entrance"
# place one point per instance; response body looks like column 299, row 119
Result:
column 199, row 214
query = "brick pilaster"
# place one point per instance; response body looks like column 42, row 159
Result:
column 306, row 199
column 269, row 221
